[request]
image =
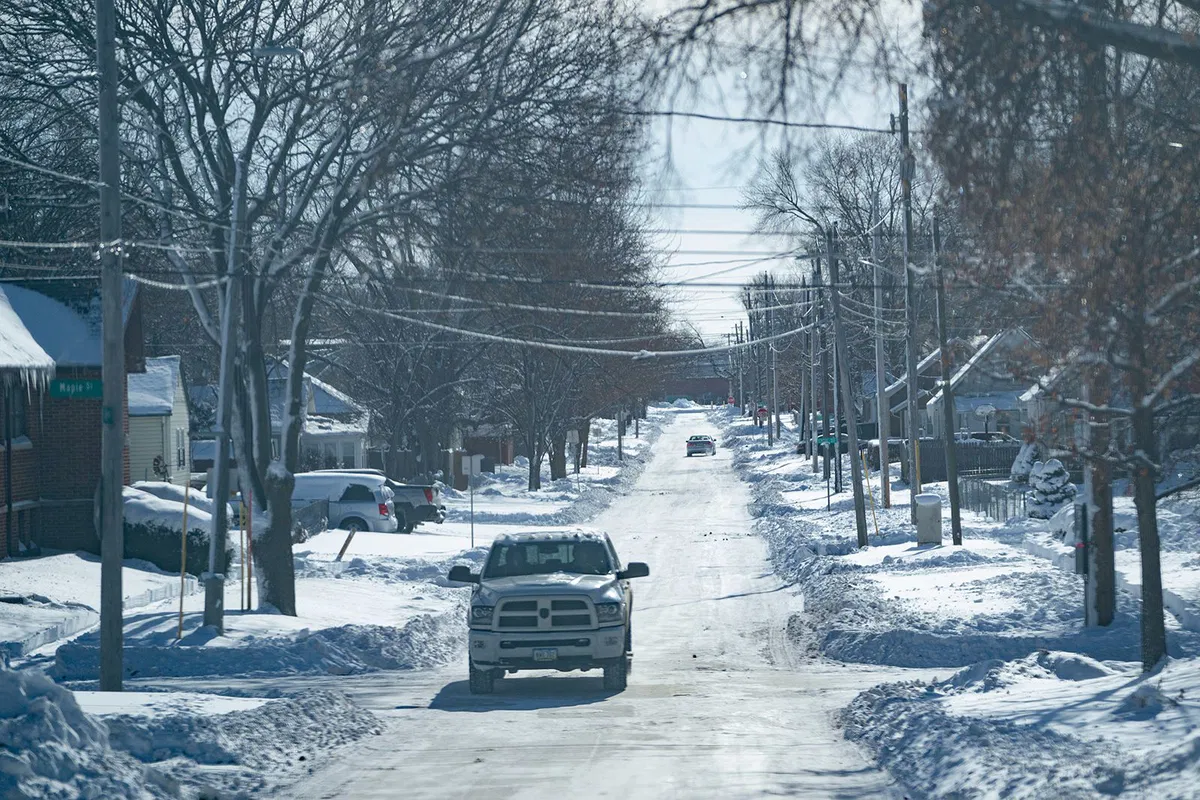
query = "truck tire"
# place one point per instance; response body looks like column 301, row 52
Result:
column 402, row 520
column 482, row 681
column 616, row 675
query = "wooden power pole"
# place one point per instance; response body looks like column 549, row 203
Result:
column 883, row 406
column 907, row 167
column 112, row 436
column 839, row 337
column 947, row 392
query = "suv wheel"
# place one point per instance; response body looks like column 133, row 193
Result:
column 354, row 525
column 616, row 675
column 482, row 681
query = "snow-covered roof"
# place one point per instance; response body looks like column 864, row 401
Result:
column 69, row 337
column 328, row 400
column 922, row 365
column 316, row 425
column 992, row 345
column 152, row 393
column 20, row 354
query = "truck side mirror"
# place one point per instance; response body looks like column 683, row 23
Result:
column 634, row 569
column 462, row 574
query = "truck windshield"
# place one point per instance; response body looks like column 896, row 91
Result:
column 543, row 558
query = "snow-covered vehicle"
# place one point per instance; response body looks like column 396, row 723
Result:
column 557, row 601
column 701, row 445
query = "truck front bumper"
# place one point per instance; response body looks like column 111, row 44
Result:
column 571, row 649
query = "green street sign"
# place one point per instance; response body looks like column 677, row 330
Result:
column 826, row 440
column 76, row 388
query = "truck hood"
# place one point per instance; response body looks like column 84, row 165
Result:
column 599, row 588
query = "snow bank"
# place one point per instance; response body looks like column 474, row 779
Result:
column 51, row 748
column 175, row 493
column 272, row 738
column 424, row 641
column 898, row 604
column 1047, row 725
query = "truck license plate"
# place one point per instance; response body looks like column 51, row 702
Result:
column 545, row 654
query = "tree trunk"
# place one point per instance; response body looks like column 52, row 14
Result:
column 585, row 430
column 1154, row 634
column 273, row 548
column 558, row 457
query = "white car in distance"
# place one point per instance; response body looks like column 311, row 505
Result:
column 559, row 601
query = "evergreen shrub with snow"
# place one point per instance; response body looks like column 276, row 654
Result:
column 1023, row 464
column 1051, row 489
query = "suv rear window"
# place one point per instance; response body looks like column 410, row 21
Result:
column 357, row 493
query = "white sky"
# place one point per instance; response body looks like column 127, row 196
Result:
column 712, row 163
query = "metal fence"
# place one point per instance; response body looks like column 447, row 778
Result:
column 975, row 458
column 309, row 521
column 998, row 502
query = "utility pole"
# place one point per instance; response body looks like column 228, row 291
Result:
column 907, row 168
column 770, row 357
column 883, row 405
column 826, row 467
column 214, row 579
column 112, row 374
column 741, row 369
column 839, row 336
column 838, row 369
column 812, row 376
column 947, row 391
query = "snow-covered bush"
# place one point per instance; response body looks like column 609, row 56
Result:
column 154, row 528
column 1052, row 488
column 1023, row 464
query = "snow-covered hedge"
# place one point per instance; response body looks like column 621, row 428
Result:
column 154, row 527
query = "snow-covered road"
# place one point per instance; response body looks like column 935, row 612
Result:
column 717, row 706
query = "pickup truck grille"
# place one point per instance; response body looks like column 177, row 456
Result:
column 545, row 613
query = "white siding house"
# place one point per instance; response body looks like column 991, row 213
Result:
column 158, row 423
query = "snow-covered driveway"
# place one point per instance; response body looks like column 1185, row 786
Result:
column 717, row 705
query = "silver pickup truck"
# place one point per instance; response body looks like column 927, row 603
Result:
column 558, row 601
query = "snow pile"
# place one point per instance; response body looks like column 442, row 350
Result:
column 173, row 492
column 1051, row 489
column 50, row 748
column 273, row 738
column 425, row 641
column 1047, row 725
column 683, row 402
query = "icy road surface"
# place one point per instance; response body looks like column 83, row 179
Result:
column 717, row 705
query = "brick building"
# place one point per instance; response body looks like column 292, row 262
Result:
column 50, row 472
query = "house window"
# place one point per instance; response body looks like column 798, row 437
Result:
column 17, row 402
column 330, row 455
column 348, row 455
column 180, row 448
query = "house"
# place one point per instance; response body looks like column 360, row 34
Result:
column 699, row 379
column 50, row 357
column 334, row 427
column 929, row 373
column 987, row 388
column 158, row 423
column 493, row 442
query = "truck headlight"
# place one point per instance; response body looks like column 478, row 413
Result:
column 482, row 615
column 608, row 612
